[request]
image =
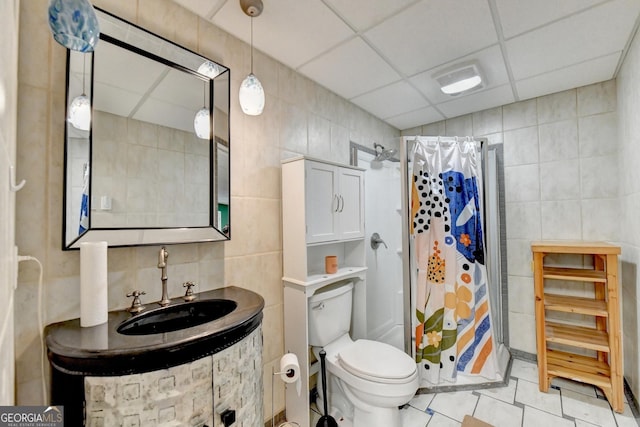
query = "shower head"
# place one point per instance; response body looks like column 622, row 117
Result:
column 383, row 154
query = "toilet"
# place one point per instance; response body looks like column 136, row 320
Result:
column 368, row 380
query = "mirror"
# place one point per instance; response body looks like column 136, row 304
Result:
column 138, row 173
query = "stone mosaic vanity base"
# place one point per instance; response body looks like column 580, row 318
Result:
column 192, row 394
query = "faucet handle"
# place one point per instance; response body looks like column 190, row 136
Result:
column 189, row 295
column 136, row 304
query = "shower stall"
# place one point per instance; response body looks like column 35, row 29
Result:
column 392, row 274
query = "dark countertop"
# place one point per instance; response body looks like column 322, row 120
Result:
column 101, row 350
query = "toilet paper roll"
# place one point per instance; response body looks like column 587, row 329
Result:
column 290, row 370
column 93, row 284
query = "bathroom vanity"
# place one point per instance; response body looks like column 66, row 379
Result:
column 205, row 375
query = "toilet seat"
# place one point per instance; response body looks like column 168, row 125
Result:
column 376, row 361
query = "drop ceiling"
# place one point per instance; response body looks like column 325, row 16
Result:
column 382, row 54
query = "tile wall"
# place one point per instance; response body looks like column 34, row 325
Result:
column 300, row 117
column 629, row 183
column 560, row 154
column 9, row 16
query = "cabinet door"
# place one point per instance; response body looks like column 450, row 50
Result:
column 351, row 203
column 321, row 202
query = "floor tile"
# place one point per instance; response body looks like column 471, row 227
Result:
column 582, row 423
column 525, row 370
column 439, row 420
column 528, row 393
column 587, row 408
column 497, row 413
column 412, row 417
column 454, row 405
column 565, row 383
column 505, row 394
column 536, row 418
column 626, row 419
column 421, row 401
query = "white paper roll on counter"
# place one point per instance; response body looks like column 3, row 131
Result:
column 290, row 370
column 94, row 299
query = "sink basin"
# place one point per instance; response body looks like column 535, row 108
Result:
column 176, row 317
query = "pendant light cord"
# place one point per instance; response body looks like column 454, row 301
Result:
column 84, row 64
column 252, row 45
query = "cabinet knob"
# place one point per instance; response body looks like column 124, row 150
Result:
column 228, row 417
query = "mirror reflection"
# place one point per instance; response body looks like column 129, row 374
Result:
column 152, row 167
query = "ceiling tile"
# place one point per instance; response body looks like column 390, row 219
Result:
column 293, row 31
column 415, row 118
column 433, row 32
column 120, row 102
column 373, row 12
column 518, row 16
column 171, row 115
column 477, row 101
column 578, row 38
column 489, row 60
column 391, row 100
column 582, row 74
column 347, row 69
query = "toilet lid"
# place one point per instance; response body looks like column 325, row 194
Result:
column 377, row 361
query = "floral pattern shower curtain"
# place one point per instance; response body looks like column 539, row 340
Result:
column 454, row 332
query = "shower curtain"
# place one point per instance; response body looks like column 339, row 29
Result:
column 454, row 332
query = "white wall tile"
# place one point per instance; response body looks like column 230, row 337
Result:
column 519, row 257
column 522, row 332
column 598, row 135
column 521, row 295
column 521, row 146
column 459, row 126
column 557, row 106
column 597, row 98
column 561, row 220
column 519, row 115
column 600, row 219
column 522, row 183
column 487, row 121
column 598, row 176
column 558, row 140
column 523, row 220
column 560, row 180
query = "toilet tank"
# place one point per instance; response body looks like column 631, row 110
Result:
column 330, row 313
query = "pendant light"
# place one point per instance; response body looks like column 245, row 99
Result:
column 74, row 24
column 251, row 92
column 202, row 120
column 80, row 108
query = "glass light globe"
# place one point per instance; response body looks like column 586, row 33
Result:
column 201, row 123
column 251, row 96
column 80, row 112
column 209, row 69
column 74, row 24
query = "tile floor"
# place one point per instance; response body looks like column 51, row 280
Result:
column 520, row 403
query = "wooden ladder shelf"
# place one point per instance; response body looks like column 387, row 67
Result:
column 603, row 368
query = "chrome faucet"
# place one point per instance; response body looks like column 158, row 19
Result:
column 162, row 264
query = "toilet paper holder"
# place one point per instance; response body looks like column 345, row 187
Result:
column 288, row 376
